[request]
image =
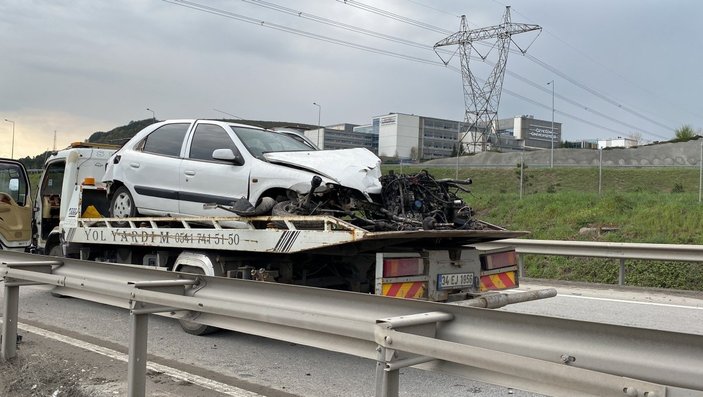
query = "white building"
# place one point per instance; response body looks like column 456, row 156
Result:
column 407, row 136
column 617, row 142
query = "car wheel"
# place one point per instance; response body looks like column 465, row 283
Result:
column 191, row 327
column 283, row 208
column 288, row 208
column 122, row 204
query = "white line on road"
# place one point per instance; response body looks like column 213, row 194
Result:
column 172, row 372
column 633, row 302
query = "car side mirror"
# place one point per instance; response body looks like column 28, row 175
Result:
column 227, row 155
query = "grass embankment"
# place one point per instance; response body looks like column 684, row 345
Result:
column 642, row 205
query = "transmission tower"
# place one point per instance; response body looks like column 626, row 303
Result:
column 481, row 101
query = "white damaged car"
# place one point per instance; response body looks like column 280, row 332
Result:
column 183, row 167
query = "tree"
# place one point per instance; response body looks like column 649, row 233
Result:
column 637, row 137
column 460, row 147
column 413, row 153
column 685, row 133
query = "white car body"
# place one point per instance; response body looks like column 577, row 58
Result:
column 179, row 183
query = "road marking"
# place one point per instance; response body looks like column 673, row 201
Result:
column 634, row 302
column 170, row 371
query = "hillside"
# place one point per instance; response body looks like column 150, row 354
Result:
column 646, row 205
column 660, row 154
column 120, row 135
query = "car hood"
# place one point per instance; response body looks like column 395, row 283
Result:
column 356, row 168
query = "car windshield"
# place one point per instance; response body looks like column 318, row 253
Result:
column 259, row 142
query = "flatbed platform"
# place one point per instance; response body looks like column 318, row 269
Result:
column 268, row 234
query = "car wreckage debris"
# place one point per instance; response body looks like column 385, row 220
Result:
column 407, row 202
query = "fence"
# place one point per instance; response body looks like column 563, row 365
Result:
column 547, row 355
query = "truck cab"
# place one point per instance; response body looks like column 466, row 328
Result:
column 15, row 207
column 64, row 172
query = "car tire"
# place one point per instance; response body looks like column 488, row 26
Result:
column 191, row 327
column 122, row 204
column 283, row 209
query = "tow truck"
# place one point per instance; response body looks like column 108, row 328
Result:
column 319, row 251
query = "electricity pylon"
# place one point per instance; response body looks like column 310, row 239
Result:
column 481, row 102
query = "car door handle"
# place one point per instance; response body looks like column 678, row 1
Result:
column 189, row 173
column 134, row 165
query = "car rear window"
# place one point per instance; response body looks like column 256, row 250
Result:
column 166, row 140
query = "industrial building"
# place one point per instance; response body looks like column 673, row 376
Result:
column 343, row 136
column 535, row 133
column 617, row 142
column 411, row 137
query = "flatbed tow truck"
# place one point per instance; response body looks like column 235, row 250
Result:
column 318, row 251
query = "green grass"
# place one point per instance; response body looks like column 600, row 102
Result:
column 647, row 205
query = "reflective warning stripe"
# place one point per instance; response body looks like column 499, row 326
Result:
column 498, row 281
column 414, row 290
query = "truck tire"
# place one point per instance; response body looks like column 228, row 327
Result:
column 191, row 327
column 56, row 250
column 122, row 204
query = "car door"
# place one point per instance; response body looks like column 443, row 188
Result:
column 207, row 180
column 15, row 206
column 151, row 169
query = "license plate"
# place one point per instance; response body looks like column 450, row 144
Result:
column 455, row 280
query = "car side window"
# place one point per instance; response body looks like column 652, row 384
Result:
column 206, row 139
column 166, row 140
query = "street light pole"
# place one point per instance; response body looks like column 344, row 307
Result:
column 12, row 155
column 319, row 115
column 551, row 156
column 153, row 114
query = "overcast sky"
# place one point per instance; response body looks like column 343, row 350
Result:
column 80, row 66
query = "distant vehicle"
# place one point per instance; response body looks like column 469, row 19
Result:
column 175, row 167
column 15, row 207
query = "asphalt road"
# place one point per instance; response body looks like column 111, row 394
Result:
column 274, row 368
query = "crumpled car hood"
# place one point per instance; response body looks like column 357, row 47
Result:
column 356, row 168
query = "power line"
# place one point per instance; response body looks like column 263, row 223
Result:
column 433, row 8
column 596, row 93
column 243, row 18
column 535, row 60
column 262, row 23
column 330, row 22
column 394, row 16
column 611, row 70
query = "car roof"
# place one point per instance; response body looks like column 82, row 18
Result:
column 224, row 122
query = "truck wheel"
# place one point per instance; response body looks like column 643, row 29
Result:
column 191, row 327
column 56, row 250
column 122, row 204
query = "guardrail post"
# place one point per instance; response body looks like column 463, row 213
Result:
column 139, row 328
column 389, row 361
column 9, row 324
column 136, row 377
column 521, row 265
column 387, row 381
column 621, row 275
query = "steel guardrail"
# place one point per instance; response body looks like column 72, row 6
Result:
column 542, row 354
column 595, row 249
column 661, row 252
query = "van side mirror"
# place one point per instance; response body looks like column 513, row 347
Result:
column 227, row 155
